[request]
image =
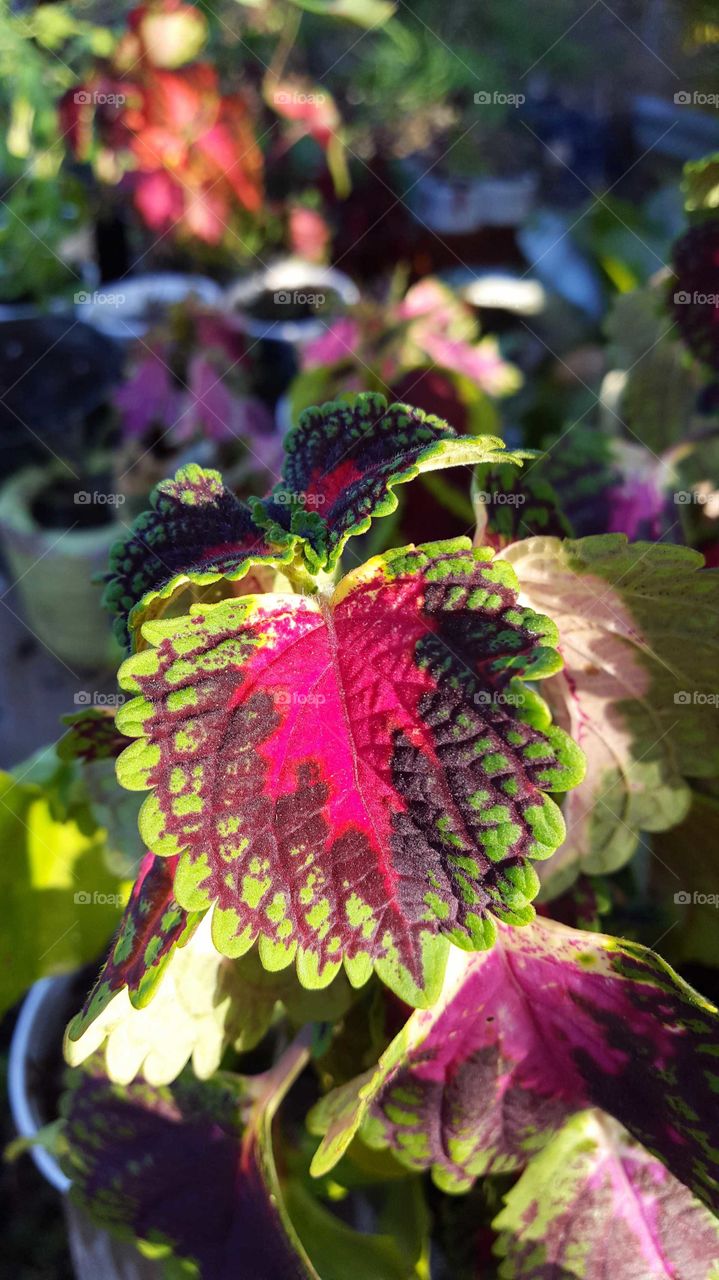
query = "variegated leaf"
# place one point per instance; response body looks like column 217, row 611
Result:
column 549, row 1022
column 195, row 534
column 203, row 1003
column 344, row 462
column 153, row 925
column 639, row 634
column 187, row 1170
column 595, row 1204
column 353, row 777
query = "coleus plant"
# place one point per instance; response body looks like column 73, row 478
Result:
column 351, row 776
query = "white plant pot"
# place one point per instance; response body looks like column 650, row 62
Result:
column 290, row 277
column 127, row 309
column 39, row 1028
column 54, row 574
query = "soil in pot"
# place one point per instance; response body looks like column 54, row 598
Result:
column 58, row 506
column 265, row 306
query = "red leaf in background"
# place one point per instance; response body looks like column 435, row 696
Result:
column 159, row 199
column 231, row 149
column 312, row 108
column 308, row 233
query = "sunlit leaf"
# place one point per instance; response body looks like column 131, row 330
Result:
column 358, row 776
column 153, row 925
column 200, row 1003
column 639, row 634
column 195, row 534
column 345, row 460
column 595, row 1194
column 549, row 1022
column 60, row 900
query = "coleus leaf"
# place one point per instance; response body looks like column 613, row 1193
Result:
column 201, row 1003
column 512, row 504
column 652, row 388
column 195, row 533
column 550, row 1021
column 134, row 1154
column 695, row 289
column 343, row 462
column 609, row 485
column 595, row 1203
column 91, row 735
column 639, row 637
column 195, row 1012
column 153, row 925
column 357, row 777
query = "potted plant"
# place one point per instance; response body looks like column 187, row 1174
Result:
column 191, row 394
column 59, row 518
column 389, row 345
column 330, row 979
column 290, row 301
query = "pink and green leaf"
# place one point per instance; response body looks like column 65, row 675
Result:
column 195, row 534
column 343, row 463
column 358, row 777
column 153, row 925
column 595, row 1204
column 639, row 634
column 549, row 1022
column 606, row 484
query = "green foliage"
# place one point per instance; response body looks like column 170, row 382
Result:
column 61, row 901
